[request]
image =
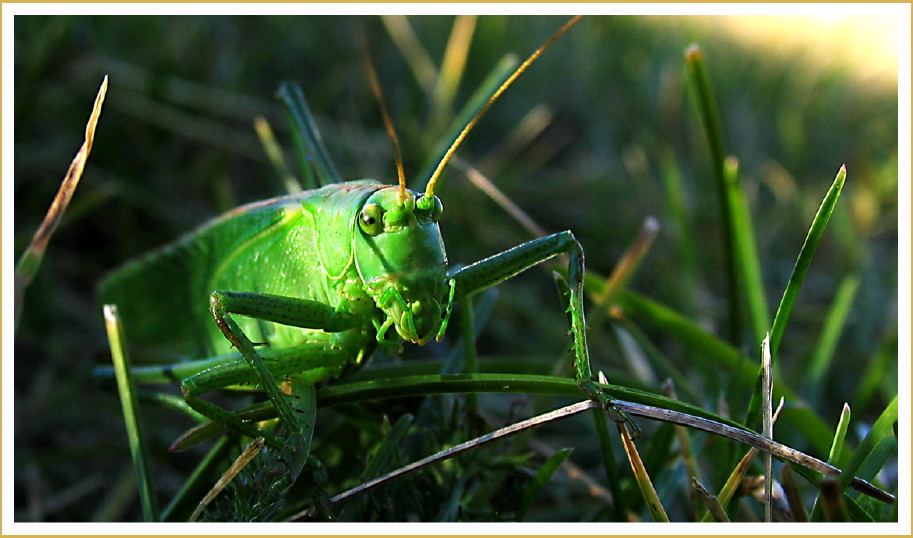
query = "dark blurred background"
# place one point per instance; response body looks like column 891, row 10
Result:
column 175, row 146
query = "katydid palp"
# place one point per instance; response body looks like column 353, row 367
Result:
column 307, row 286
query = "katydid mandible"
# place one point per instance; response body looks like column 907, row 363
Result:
column 321, row 278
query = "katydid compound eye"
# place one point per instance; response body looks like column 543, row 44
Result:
column 371, row 219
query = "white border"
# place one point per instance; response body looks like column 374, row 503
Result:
column 901, row 11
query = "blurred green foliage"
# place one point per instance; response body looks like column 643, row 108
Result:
column 175, row 146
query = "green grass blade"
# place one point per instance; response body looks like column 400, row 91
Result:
column 806, row 253
column 879, row 379
column 709, row 351
column 385, row 451
column 873, row 450
column 843, row 424
column 613, row 474
column 128, row 399
column 501, row 72
column 378, row 462
column 748, row 266
column 713, row 129
column 821, row 359
column 805, row 258
column 307, row 136
column 542, row 477
column 682, row 228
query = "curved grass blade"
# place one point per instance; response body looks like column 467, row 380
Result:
column 805, row 258
column 30, row 260
column 806, row 253
column 542, row 477
column 311, row 151
column 128, row 400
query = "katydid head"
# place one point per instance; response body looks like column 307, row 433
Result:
column 400, row 257
column 399, row 251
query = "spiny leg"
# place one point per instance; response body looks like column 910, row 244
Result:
column 504, row 265
column 298, row 419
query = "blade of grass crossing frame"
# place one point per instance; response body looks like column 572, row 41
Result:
column 240, row 462
column 710, row 119
column 806, row 253
column 132, row 419
column 545, row 473
column 310, row 143
column 738, row 473
column 28, row 264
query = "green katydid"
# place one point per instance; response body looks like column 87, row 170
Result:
column 321, row 278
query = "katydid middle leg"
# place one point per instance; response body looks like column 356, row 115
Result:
column 504, row 265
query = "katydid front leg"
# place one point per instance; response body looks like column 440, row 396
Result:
column 296, row 418
column 504, row 265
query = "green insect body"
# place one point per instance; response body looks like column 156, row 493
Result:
column 316, row 247
column 305, row 287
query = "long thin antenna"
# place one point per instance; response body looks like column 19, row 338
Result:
column 429, row 190
column 379, row 96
